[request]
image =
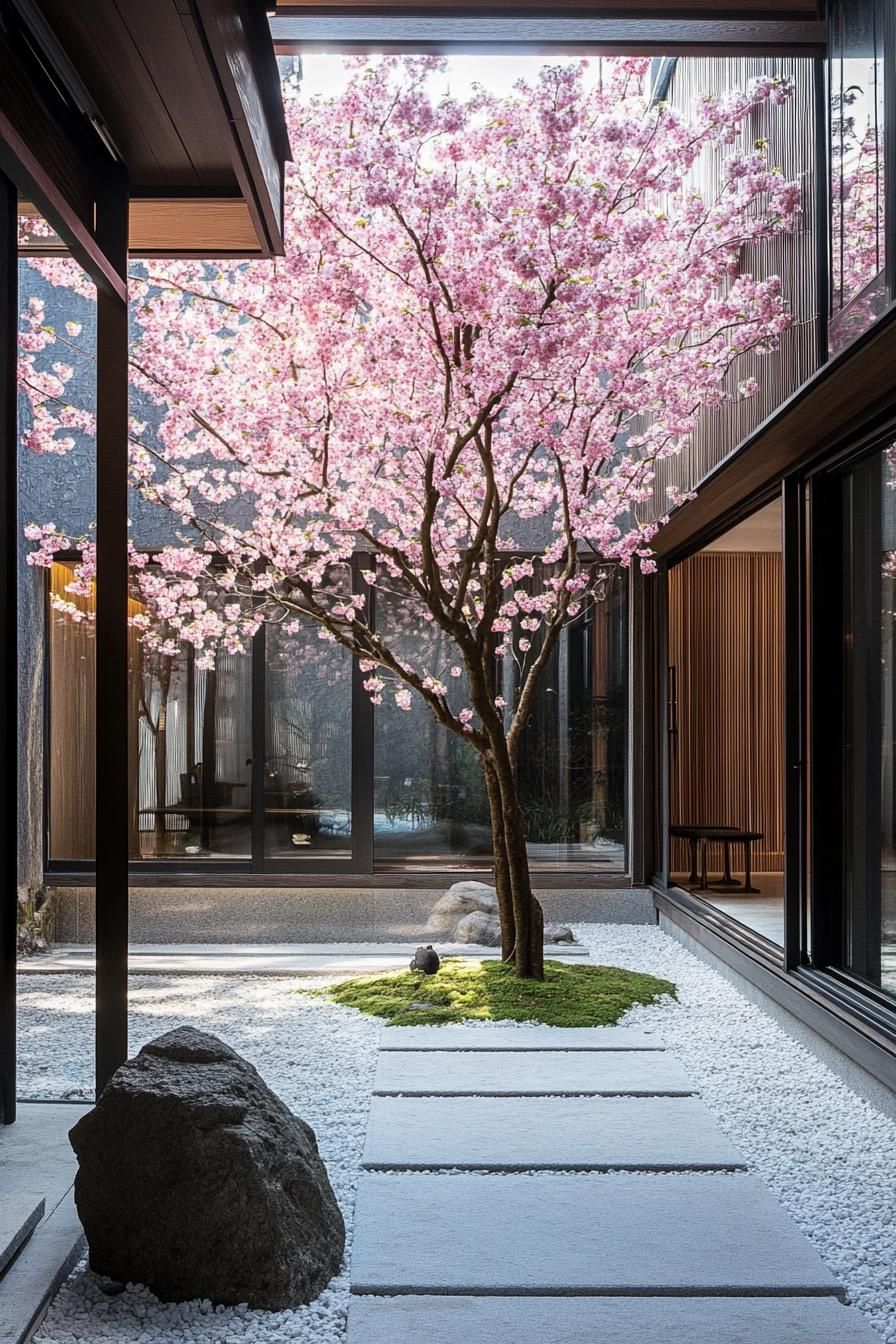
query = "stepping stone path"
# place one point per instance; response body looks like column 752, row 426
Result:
column 567, row 1185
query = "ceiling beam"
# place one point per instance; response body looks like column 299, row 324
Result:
column 569, row 36
column 767, row 9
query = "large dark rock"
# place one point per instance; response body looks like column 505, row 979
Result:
column 195, row 1179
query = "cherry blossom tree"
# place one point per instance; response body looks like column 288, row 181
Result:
column 493, row 316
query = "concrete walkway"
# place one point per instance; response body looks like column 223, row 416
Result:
column 568, row 1187
column 37, row 1169
column 288, row 959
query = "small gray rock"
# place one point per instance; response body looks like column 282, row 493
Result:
column 426, row 959
column 480, row 928
column 459, row 900
column 196, row 1180
column 558, row 933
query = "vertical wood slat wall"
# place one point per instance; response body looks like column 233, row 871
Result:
column 726, row 760
column 790, row 132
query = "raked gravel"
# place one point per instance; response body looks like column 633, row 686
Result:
column 828, row 1155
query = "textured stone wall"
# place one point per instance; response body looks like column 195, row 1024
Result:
column 313, row 914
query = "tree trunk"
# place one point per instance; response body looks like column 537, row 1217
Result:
column 502, row 864
column 528, row 917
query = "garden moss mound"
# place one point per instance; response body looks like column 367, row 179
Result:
column 488, row 991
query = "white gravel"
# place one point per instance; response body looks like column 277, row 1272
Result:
column 827, row 1154
column 318, row 1056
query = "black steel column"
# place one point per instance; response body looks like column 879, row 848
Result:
column 112, row 814
column 362, row 738
column 8, row 634
column 794, row 637
column 259, row 750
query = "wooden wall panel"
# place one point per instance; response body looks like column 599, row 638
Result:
column 725, row 642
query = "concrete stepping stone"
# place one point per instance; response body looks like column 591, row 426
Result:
column 560, row 1235
column 521, row 1133
column 518, row 1038
column 609, row 1320
column 493, row 1073
column 20, row 1213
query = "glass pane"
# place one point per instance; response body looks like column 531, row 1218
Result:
column 57, row 405
column 858, row 289
column 194, row 735
column 430, row 803
column 308, row 746
column 572, row 753
column 869, row 932
column 72, row 714
column 725, row 708
column 430, row 806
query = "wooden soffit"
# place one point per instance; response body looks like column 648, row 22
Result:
column 653, row 27
column 213, row 226
column 849, row 397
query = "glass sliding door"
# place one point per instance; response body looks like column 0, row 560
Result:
column 194, row 754
column 573, row 749
column 868, row 928
column 307, row 746
column 726, row 723
column 430, row 806
column 430, row 803
column 276, row 760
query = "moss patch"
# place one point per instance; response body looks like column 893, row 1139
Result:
column 569, row 995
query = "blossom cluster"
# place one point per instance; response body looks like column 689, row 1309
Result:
column 491, row 315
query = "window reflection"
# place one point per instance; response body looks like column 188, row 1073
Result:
column 308, row 745
column 858, row 289
column 430, row 806
column 869, row 758
column 194, row 756
column 191, row 748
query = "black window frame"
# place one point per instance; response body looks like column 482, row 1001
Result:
column 832, row 927
column 362, row 863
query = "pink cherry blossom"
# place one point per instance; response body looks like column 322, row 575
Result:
column 491, row 316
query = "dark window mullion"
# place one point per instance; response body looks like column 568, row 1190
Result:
column 259, row 747
column 362, row 711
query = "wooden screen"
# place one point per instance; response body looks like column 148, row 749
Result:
column 725, row 644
